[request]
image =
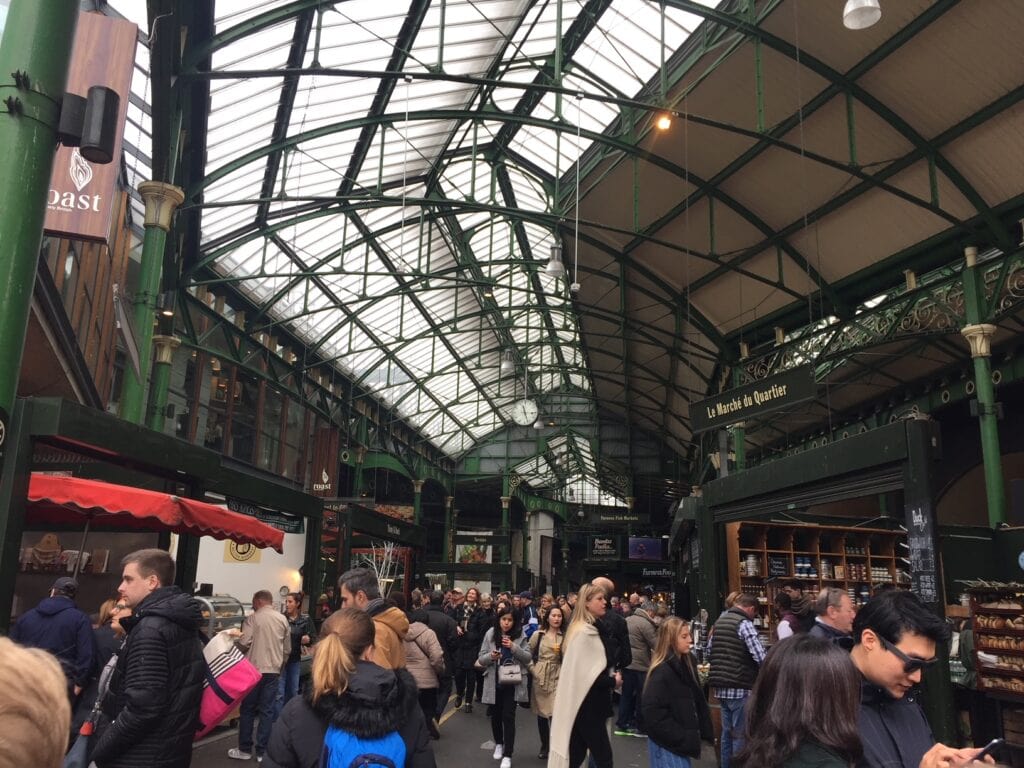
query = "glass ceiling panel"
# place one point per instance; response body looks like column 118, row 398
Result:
column 435, row 316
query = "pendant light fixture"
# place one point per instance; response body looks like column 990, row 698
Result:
column 555, row 267
column 508, row 363
column 539, row 423
column 861, row 14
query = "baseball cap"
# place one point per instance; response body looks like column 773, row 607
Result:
column 526, row 595
column 65, row 585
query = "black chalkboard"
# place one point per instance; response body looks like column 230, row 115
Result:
column 921, row 542
column 778, row 566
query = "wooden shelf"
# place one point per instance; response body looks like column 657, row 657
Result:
column 770, row 541
column 979, row 611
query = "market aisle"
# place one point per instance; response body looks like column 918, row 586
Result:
column 465, row 741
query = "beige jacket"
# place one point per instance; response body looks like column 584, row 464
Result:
column 266, row 640
column 423, row 655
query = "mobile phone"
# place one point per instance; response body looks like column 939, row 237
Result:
column 991, row 747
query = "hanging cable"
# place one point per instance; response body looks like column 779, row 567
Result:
column 803, row 178
column 405, row 169
column 574, row 288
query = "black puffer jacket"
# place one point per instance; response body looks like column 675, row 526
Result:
column 673, row 709
column 378, row 701
column 156, row 687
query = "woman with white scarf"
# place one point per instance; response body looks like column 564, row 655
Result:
column 583, row 699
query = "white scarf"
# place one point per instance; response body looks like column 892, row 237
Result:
column 583, row 662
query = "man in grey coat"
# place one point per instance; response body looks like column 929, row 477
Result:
column 643, row 634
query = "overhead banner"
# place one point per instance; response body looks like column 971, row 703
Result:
column 771, row 394
column 81, row 199
column 615, row 517
column 326, row 442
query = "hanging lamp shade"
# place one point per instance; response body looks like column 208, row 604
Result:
column 539, row 423
column 508, row 364
column 555, row 267
column 861, row 14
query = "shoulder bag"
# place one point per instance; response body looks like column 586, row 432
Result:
column 510, row 673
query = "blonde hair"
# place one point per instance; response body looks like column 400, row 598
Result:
column 344, row 637
column 36, row 718
column 581, row 614
column 730, row 599
column 665, row 645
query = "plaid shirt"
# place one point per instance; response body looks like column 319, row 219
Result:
column 749, row 635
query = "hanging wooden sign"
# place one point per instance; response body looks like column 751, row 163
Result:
column 741, row 403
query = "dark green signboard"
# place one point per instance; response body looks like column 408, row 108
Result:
column 615, row 517
column 280, row 520
column 604, row 548
column 771, row 394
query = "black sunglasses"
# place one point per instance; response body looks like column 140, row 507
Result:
column 910, row 664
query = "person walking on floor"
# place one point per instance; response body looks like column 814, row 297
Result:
column 735, row 654
column 583, row 698
column 432, row 614
column 58, row 625
column 546, row 650
column 424, row 658
column 504, row 645
column 643, row 634
column 266, row 640
column 674, row 711
column 467, row 645
column 352, row 694
column 302, row 632
column 152, row 704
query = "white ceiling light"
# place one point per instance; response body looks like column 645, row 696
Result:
column 508, row 363
column 555, row 267
column 861, row 14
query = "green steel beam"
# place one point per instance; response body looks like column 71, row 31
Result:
column 848, row 84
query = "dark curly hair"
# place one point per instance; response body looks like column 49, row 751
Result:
column 808, row 691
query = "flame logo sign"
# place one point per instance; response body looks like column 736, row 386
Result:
column 79, row 170
column 323, row 476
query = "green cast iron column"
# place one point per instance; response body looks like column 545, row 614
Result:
column 979, row 336
column 161, row 201
column 34, row 54
column 417, row 501
column 165, row 346
column 448, row 555
column 739, row 432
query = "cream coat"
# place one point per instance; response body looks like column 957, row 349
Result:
column 583, row 661
column 547, row 647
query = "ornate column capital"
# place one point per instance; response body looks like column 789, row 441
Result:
column 417, row 486
column 165, row 346
column 505, row 501
column 161, row 200
column 979, row 336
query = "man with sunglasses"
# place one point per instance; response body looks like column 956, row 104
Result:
column 895, row 638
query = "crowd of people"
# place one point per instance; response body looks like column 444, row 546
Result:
column 838, row 689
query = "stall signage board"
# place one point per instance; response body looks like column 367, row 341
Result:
column 279, row 520
column 604, row 547
column 615, row 517
column 741, row 403
column 921, row 543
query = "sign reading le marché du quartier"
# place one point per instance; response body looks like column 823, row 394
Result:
column 741, row 403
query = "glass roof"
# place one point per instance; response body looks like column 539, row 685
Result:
column 373, row 204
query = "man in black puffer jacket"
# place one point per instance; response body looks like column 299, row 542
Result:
column 157, row 685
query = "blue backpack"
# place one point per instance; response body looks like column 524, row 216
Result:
column 345, row 750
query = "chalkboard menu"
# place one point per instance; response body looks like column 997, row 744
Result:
column 778, row 566
column 921, row 542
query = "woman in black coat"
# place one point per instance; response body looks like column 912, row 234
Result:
column 352, row 694
column 674, row 711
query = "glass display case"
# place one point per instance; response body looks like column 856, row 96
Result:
column 221, row 612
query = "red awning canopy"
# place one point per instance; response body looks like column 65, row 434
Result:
column 66, row 500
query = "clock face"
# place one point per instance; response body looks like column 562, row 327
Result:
column 524, row 412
